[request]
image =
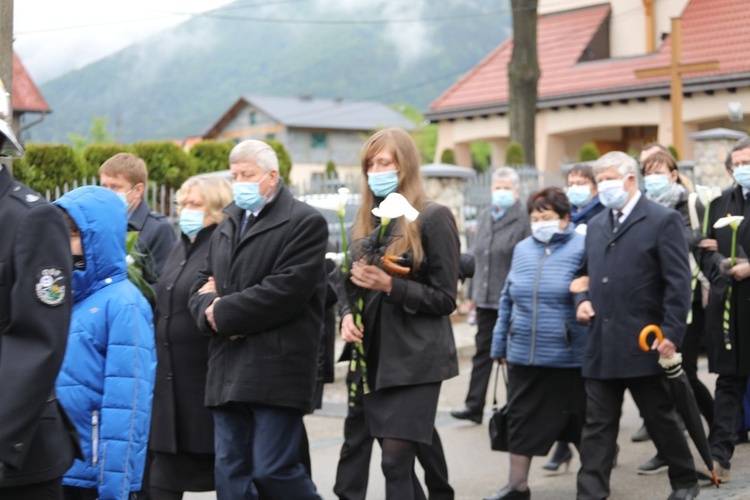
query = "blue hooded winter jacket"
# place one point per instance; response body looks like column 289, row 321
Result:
column 107, row 378
column 536, row 324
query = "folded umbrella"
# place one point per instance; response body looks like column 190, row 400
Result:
column 683, row 397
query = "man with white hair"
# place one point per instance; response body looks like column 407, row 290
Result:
column 260, row 299
column 500, row 227
column 638, row 275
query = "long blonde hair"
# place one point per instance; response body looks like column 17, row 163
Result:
column 406, row 156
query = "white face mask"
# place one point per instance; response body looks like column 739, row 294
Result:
column 612, row 193
column 543, row 230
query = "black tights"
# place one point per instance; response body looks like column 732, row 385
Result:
column 398, row 468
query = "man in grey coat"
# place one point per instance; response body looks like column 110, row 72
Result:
column 638, row 275
column 501, row 227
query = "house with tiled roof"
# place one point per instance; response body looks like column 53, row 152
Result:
column 589, row 53
column 313, row 130
column 26, row 99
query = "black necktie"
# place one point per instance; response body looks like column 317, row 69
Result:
column 247, row 220
column 616, row 220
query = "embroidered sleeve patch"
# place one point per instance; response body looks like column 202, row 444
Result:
column 50, row 286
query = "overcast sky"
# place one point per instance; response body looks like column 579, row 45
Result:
column 54, row 36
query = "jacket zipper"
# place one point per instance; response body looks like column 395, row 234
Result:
column 534, row 302
column 95, row 437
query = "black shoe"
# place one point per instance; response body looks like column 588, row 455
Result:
column 640, row 435
column 653, row 466
column 685, row 493
column 467, row 414
column 509, row 493
column 562, row 455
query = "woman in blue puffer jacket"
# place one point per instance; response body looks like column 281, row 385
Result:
column 538, row 336
column 107, row 378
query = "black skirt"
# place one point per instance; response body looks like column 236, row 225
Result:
column 405, row 412
column 183, row 471
column 544, row 405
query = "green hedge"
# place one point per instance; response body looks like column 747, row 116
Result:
column 96, row 154
column 167, row 163
column 46, row 166
column 210, row 156
column 285, row 161
column 515, row 155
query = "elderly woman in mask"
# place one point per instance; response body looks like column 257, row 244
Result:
column 501, row 226
column 538, row 338
column 182, row 429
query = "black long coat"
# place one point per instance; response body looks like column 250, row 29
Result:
column 272, row 286
column 720, row 360
column 37, row 442
column 638, row 275
column 415, row 342
column 180, row 422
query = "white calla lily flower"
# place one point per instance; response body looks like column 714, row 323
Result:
column 335, row 257
column 343, row 198
column 707, row 194
column 733, row 221
column 395, row 206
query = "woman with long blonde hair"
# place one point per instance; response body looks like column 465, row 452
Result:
column 407, row 333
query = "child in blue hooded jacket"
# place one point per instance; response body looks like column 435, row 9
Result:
column 107, row 378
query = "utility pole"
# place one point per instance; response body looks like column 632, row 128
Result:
column 6, row 53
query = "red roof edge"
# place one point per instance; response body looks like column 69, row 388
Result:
column 26, row 96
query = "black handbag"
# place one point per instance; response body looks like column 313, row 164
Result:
column 499, row 418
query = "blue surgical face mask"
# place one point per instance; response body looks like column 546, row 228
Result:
column 612, row 193
column 247, row 195
column 191, row 222
column 503, row 198
column 656, row 185
column 124, row 199
column 741, row 174
column 383, row 183
column 579, row 196
column 543, row 230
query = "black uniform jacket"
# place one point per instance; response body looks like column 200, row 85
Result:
column 37, row 441
column 180, row 422
column 272, row 285
column 638, row 275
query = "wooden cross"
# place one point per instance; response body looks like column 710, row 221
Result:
column 676, row 69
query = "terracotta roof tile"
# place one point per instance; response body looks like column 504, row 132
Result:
column 711, row 30
column 26, row 95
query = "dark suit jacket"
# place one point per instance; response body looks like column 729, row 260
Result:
column 36, row 439
column 638, row 276
column 155, row 239
column 272, row 286
column 180, row 422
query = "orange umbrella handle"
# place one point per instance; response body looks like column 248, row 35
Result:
column 389, row 262
column 642, row 338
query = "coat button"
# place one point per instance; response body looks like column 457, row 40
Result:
column 18, row 447
column 166, row 344
column 612, row 244
column 605, row 280
column 166, row 316
column 170, row 287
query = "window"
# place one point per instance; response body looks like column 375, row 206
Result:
column 253, row 118
column 318, row 141
column 270, row 137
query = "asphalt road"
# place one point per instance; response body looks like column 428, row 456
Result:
column 476, row 471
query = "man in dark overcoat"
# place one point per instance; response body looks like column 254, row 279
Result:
column 732, row 365
column 37, row 441
column 638, row 275
column 261, row 300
